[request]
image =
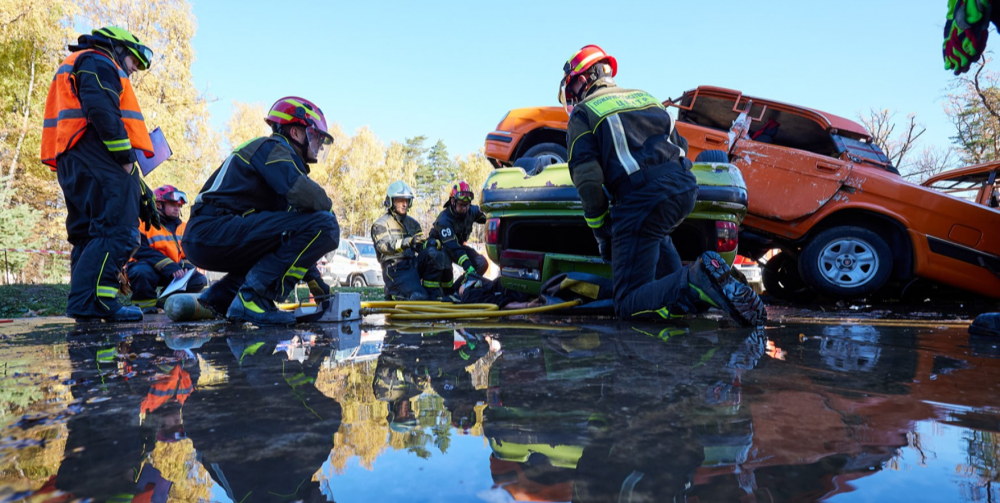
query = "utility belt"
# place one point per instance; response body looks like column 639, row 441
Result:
column 640, row 178
column 208, row 210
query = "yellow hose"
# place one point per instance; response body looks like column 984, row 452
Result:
column 481, row 313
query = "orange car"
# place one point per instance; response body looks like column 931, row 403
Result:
column 819, row 190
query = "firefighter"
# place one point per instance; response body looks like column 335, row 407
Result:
column 451, row 230
column 398, row 244
column 160, row 258
column 92, row 129
column 262, row 220
column 628, row 164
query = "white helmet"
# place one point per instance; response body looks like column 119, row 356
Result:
column 398, row 189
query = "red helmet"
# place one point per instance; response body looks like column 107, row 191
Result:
column 581, row 62
column 462, row 191
column 293, row 110
column 170, row 193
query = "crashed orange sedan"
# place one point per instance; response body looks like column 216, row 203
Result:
column 819, row 190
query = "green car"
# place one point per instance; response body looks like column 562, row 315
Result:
column 536, row 228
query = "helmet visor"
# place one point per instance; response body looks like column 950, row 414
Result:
column 319, row 144
column 465, row 196
column 562, row 97
column 143, row 55
column 176, row 197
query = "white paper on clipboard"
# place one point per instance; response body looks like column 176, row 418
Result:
column 178, row 283
column 161, row 152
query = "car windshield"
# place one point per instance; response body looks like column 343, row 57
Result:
column 366, row 249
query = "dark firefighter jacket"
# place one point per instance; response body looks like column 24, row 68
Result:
column 91, row 106
column 453, row 231
column 264, row 174
column 613, row 136
column 161, row 248
column 388, row 233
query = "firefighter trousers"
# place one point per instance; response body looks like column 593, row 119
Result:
column 436, row 270
column 269, row 251
column 643, row 221
column 143, row 279
column 102, row 209
column 402, row 279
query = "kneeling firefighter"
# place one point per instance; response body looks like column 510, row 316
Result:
column 399, row 244
column 160, row 258
column 452, row 229
column 262, row 220
column 623, row 143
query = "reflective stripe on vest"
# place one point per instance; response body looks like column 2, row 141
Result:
column 65, row 121
column 164, row 241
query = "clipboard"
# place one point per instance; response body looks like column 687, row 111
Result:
column 177, row 284
column 161, row 152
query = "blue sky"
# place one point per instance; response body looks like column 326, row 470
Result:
column 450, row 70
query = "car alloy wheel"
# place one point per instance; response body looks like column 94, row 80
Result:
column 848, row 262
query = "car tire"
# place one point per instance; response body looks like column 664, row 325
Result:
column 358, row 281
column 710, row 156
column 846, row 262
column 781, row 279
column 547, row 154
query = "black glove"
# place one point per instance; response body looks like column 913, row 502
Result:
column 432, row 243
column 603, row 236
column 319, row 289
column 418, row 240
column 147, row 206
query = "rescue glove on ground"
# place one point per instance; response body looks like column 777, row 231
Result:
column 147, row 207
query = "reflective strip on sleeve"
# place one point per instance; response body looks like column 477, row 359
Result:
column 598, row 221
column 621, row 145
column 163, row 263
column 463, row 259
column 218, row 178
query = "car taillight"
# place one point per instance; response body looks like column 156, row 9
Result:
column 492, row 231
column 726, row 237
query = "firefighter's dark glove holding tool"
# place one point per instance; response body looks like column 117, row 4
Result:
column 148, row 214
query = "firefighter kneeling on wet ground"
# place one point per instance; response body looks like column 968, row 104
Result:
column 451, row 230
column 263, row 221
column 160, row 258
column 628, row 165
column 92, row 130
column 399, row 246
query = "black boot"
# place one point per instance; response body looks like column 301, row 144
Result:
column 710, row 281
column 249, row 306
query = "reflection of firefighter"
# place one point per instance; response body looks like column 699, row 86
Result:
column 452, row 228
column 628, row 164
column 160, row 258
column 262, row 220
column 398, row 242
column 107, row 448
column 92, row 124
column 278, row 427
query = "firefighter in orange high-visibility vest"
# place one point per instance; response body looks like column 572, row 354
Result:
column 160, row 258
column 92, row 131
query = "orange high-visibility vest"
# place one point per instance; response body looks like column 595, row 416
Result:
column 176, row 385
column 64, row 119
column 165, row 242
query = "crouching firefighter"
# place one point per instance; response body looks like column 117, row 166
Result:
column 624, row 141
column 452, row 229
column 92, row 130
column 398, row 243
column 263, row 221
column 160, row 257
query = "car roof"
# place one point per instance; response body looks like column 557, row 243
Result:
column 831, row 121
column 968, row 173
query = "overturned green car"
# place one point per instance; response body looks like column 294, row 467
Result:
column 536, row 228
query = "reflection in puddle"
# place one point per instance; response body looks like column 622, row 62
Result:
column 592, row 412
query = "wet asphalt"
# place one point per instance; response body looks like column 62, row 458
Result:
column 841, row 402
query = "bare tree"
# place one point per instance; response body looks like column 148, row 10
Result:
column 930, row 162
column 882, row 126
column 974, row 109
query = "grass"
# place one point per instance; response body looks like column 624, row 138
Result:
column 27, row 301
